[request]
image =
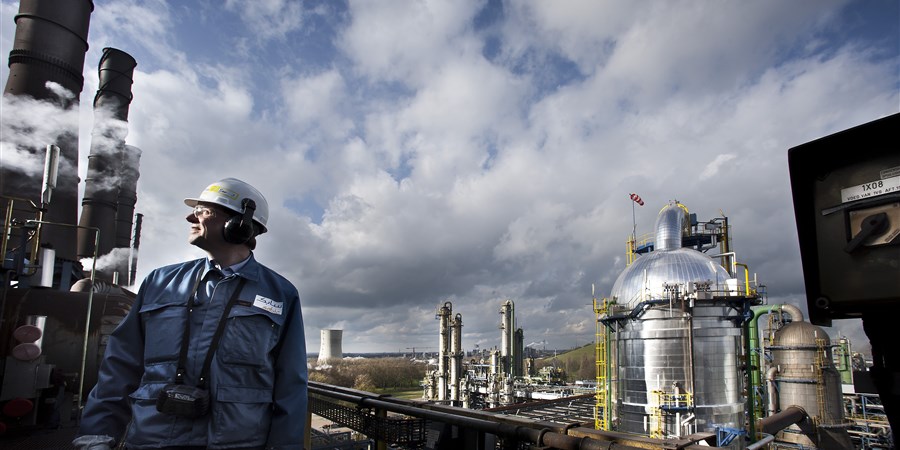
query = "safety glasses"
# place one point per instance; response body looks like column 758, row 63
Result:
column 204, row 212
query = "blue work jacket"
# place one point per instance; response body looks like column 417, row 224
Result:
column 258, row 376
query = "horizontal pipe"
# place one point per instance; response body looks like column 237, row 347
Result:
column 541, row 437
column 760, row 443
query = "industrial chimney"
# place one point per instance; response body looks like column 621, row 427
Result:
column 48, row 51
column 112, row 166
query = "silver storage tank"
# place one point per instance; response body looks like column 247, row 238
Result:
column 806, row 377
column 676, row 346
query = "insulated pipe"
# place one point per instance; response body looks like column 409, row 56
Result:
column 773, row 393
column 729, row 262
column 48, row 50
column 670, row 226
column 779, row 421
column 795, row 313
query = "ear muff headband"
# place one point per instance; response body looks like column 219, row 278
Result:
column 240, row 229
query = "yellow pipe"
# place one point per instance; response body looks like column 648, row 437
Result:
column 746, row 277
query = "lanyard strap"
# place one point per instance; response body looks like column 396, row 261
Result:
column 182, row 358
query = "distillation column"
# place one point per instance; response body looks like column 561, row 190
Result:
column 518, row 361
column 443, row 349
column 456, row 356
column 507, row 328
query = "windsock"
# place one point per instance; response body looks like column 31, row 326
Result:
column 637, row 199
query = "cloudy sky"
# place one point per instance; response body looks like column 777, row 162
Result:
column 414, row 153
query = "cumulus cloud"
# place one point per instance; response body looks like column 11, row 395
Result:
column 480, row 151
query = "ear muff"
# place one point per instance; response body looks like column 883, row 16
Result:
column 240, row 228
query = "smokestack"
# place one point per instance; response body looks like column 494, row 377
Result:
column 49, row 46
column 127, row 197
column 112, row 165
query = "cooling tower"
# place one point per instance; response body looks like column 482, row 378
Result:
column 331, row 345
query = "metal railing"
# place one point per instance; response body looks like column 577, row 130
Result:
column 401, row 423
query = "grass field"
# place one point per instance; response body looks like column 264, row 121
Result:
column 405, row 393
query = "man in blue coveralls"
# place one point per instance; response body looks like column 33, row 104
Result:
column 212, row 353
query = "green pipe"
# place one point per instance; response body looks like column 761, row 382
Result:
column 753, row 350
column 751, row 340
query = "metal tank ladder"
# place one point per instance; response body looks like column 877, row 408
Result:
column 601, row 409
column 820, row 381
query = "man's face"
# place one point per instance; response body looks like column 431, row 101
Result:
column 207, row 223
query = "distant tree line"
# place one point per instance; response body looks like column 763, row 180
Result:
column 370, row 374
column 374, row 374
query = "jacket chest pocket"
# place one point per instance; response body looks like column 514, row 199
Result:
column 250, row 336
column 163, row 329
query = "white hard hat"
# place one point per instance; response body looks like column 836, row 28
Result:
column 229, row 193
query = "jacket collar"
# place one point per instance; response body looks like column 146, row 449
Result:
column 248, row 268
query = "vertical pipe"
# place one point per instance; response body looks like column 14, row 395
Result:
column 87, row 325
column 135, row 247
column 753, row 350
column 772, row 392
column 670, row 226
column 751, row 372
column 48, row 262
column 845, row 368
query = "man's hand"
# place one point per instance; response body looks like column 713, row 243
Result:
column 94, row 442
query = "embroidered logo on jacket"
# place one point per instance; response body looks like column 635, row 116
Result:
column 268, row 304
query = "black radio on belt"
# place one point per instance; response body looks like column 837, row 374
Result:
column 183, row 400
